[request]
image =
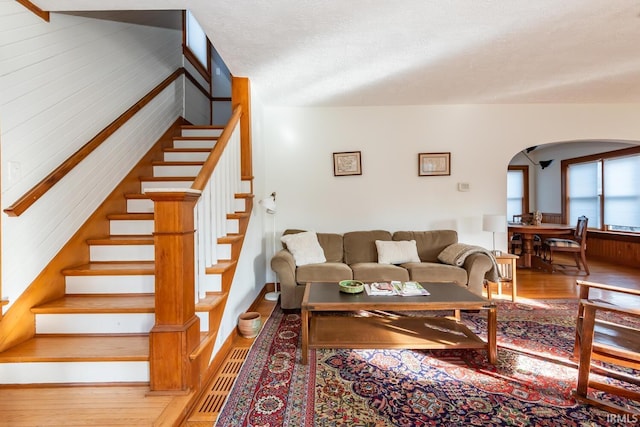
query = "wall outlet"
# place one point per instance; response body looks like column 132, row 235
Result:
column 464, row 186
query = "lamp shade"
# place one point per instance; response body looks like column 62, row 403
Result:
column 494, row 223
column 269, row 203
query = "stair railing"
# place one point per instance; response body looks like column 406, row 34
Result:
column 219, row 181
column 181, row 230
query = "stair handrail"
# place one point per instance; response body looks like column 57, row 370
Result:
column 37, row 191
column 214, row 157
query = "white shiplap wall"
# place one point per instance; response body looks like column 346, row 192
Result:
column 60, row 84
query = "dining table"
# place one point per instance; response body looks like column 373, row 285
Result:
column 528, row 259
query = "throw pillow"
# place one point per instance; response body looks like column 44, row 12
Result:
column 397, row 252
column 304, row 247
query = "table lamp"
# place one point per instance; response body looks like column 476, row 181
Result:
column 495, row 224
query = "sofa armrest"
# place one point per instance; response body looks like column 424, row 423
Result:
column 284, row 265
column 477, row 266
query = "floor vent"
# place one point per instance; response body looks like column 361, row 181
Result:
column 211, row 403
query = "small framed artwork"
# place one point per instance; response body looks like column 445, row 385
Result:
column 433, row 164
column 347, row 163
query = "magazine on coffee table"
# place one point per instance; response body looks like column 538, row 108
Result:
column 405, row 289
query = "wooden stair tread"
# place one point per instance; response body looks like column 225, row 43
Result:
column 239, row 215
column 221, row 267
column 243, row 196
column 167, row 178
column 230, row 238
column 186, row 150
column 78, row 348
column 190, row 127
column 136, row 196
column 196, row 138
column 176, row 163
column 210, row 301
column 131, row 216
column 122, row 240
column 103, row 303
column 111, row 268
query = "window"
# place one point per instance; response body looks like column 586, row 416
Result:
column 196, row 39
column 517, row 191
column 622, row 193
column 606, row 189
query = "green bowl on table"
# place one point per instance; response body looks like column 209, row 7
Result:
column 351, row 286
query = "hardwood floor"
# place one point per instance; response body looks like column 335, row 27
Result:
column 131, row 406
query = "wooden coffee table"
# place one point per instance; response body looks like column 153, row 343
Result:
column 339, row 327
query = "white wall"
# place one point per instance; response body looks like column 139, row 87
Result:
column 390, row 195
column 61, row 83
column 197, row 107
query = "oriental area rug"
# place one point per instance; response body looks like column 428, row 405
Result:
column 531, row 384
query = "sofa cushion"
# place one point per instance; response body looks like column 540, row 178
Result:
column 433, row 272
column 374, row 272
column 304, row 247
column 325, row 272
column 429, row 243
column 390, row 252
column 360, row 246
column 331, row 244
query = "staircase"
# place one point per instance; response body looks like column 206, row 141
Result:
column 98, row 332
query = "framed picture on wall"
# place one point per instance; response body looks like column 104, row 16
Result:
column 347, row 163
column 433, row 164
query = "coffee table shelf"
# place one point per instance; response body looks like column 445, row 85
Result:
column 331, row 319
column 398, row 332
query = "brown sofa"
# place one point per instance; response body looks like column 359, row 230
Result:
column 354, row 255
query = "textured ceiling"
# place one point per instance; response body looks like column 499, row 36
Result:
column 409, row 52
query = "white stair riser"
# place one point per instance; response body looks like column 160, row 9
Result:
column 165, row 184
column 140, row 206
column 177, row 156
column 224, row 251
column 122, row 252
column 194, row 143
column 201, row 132
column 176, row 170
column 74, row 372
column 233, row 226
column 209, row 283
column 245, row 186
column 139, row 284
column 204, row 321
column 94, row 323
column 240, row 205
column 131, row 227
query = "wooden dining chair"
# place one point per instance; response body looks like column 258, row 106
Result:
column 615, row 341
column 576, row 246
column 516, row 242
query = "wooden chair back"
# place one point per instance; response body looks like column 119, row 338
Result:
column 552, row 218
column 615, row 341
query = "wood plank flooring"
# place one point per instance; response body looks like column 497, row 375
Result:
column 130, row 405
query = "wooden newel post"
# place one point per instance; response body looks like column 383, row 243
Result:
column 176, row 332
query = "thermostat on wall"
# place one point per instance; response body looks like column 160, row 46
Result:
column 463, row 186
